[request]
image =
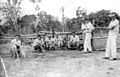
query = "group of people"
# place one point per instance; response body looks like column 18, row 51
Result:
column 47, row 42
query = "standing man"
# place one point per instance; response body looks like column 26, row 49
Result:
column 111, row 41
column 87, row 28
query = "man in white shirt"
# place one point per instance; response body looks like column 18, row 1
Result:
column 74, row 41
column 38, row 44
column 50, row 42
column 87, row 28
column 58, row 40
column 16, row 47
column 111, row 41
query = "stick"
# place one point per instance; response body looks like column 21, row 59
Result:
column 4, row 67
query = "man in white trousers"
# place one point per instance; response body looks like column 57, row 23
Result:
column 87, row 28
column 111, row 41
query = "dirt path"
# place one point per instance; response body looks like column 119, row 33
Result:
column 64, row 64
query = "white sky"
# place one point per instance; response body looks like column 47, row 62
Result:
column 53, row 6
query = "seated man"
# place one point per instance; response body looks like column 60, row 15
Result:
column 74, row 41
column 16, row 47
column 58, row 41
column 65, row 41
column 50, row 43
column 46, row 42
column 38, row 44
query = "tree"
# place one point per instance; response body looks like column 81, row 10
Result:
column 47, row 22
column 101, row 18
column 27, row 24
column 11, row 10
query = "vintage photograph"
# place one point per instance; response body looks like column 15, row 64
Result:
column 59, row 38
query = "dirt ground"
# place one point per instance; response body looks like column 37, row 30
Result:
column 62, row 63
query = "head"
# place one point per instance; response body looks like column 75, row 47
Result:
column 86, row 19
column 17, row 36
column 49, row 36
column 113, row 16
column 73, row 33
column 39, row 36
column 56, row 35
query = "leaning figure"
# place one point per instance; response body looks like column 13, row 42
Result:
column 112, row 37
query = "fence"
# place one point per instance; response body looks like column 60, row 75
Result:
column 100, row 37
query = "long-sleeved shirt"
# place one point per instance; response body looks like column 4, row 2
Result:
column 114, row 23
column 87, row 27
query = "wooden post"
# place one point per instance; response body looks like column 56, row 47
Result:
column 4, row 67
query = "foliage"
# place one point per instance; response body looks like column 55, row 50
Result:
column 101, row 19
column 47, row 22
column 11, row 11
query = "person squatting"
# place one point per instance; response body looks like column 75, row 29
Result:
column 15, row 48
column 46, row 42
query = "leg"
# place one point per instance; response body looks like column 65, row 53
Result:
column 85, row 43
column 69, row 43
column 14, row 52
column 89, row 42
column 108, row 47
column 113, row 46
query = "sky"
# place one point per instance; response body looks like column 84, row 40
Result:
column 53, row 6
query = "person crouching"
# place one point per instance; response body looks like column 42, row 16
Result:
column 38, row 44
column 74, row 41
column 16, row 48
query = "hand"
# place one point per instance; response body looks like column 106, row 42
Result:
column 112, row 27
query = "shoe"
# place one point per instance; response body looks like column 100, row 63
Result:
column 106, row 58
column 113, row 59
column 85, row 52
column 89, row 51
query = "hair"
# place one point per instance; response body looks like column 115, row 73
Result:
column 17, row 35
column 38, row 35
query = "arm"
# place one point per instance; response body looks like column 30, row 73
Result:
column 82, row 27
column 113, row 24
column 91, row 26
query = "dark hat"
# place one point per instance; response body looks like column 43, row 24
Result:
column 17, row 35
column 38, row 35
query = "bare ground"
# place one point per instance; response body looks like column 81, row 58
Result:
column 62, row 64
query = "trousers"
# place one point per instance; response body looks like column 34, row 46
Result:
column 111, row 46
column 87, row 42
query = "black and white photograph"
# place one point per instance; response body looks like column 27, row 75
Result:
column 59, row 38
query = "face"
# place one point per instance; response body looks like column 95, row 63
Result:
column 113, row 18
column 57, row 36
column 17, row 37
column 86, row 21
column 49, row 37
column 39, row 37
column 73, row 35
